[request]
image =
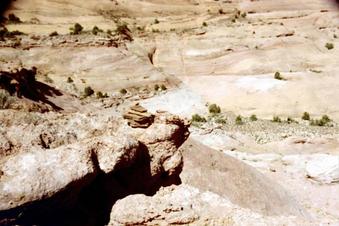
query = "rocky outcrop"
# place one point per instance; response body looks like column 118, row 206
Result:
column 323, row 168
column 186, row 205
column 116, row 160
column 138, row 117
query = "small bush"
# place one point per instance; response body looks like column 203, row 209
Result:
column 306, row 116
column 253, row 118
column 163, row 87
column 198, row 118
column 220, row 120
column 204, row 24
column 54, row 33
column 69, row 80
column 12, row 18
column 243, row 15
column 109, row 32
column 76, row 29
column 214, row 109
column 156, row 87
column 238, row 120
column 88, row 91
column 276, row 119
column 290, row 120
column 123, row 91
column 156, row 21
column 100, row 95
column 96, row 30
column 278, row 76
column 329, row 46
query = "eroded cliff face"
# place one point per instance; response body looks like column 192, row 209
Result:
column 49, row 176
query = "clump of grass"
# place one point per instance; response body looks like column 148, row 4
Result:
column 96, row 30
column 123, row 91
column 306, row 116
column 198, row 118
column 278, row 76
column 276, row 119
column 214, row 109
column 253, row 118
column 88, row 91
column 76, row 29
column 54, row 33
column 238, row 120
column 329, row 46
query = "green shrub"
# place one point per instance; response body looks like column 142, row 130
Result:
column 276, row 119
column 163, row 87
column 243, row 15
column 325, row 119
column 204, row 24
column 123, row 91
column 76, row 29
column 253, row 118
column 306, row 116
column 156, row 21
column 88, row 91
column 278, row 76
column 12, row 18
column 220, row 120
column 329, row 46
column 54, row 33
column 198, row 118
column 100, row 95
column 290, row 120
column 69, row 80
column 96, row 30
column 238, row 120
column 214, row 109
column 156, row 87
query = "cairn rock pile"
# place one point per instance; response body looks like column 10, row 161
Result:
column 138, row 117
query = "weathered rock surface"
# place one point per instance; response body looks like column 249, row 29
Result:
column 186, row 205
column 324, row 169
column 209, row 170
column 138, row 117
column 123, row 159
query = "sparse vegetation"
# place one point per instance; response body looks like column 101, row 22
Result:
column 54, row 33
column 198, row 118
column 238, row 120
column 12, row 18
column 244, row 15
column 96, row 30
column 88, row 91
column 329, row 46
column 324, row 121
column 156, row 21
column 204, row 24
column 306, row 116
column 220, row 120
column 76, row 29
column 156, row 87
column 214, row 109
column 290, row 120
column 100, row 95
column 276, row 119
column 69, row 80
column 123, row 91
column 253, row 118
column 278, row 76
column 163, row 87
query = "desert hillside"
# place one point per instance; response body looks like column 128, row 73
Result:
column 169, row 112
